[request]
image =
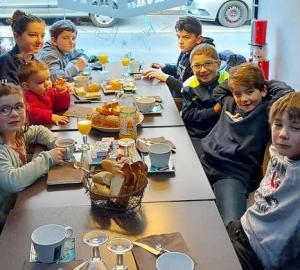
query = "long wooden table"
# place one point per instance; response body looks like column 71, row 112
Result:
column 197, row 221
column 188, row 183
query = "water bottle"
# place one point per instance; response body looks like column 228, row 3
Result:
column 128, row 119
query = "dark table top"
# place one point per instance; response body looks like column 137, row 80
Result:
column 187, row 183
column 197, row 221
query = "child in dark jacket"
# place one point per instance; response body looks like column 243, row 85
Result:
column 41, row 99
column 234, row 149
column 267, row 235
column 189, row 34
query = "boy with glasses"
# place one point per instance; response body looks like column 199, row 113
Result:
column 200, row 111
column 189, row 34
column 233, row 151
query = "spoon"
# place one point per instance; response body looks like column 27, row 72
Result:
column 158, row 246
column 79, row 167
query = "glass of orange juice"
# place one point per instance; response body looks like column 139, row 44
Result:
column 125, row 60
column 84, row 125
column 103, row 58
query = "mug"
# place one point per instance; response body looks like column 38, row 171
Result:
column 135, row 66
column 81, row 81
column 145, row 104
column 69, row 144
column 48, row 241
column 174, row 261
column 159, row 154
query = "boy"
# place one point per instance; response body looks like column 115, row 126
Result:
column 63, row 60
column 267, row 236
column 234, row 149
column 200, row 111
column 189, row 34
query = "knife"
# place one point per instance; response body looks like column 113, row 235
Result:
column 87, row 101
column 148, row 248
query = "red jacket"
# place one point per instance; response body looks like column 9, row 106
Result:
column 41, row 108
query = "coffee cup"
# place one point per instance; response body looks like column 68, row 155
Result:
column 135, row 66
column 48, row 241
column 145, row 104
column 174, row 261
column 81, row 81
column 159, row 154
column 69, row 144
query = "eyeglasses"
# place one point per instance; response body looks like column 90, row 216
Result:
column 6, row 110
column 207, row 65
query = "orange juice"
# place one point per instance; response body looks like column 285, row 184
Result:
column 84, row 126
column 103, row 57
column 125, row 61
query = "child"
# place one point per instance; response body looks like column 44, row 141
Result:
column 200, row 111
column 233, row 151
column 15, row 135
column 40, row 97
column 63, row 60
column 29, row 32
column 189, row 34
column 269, row 231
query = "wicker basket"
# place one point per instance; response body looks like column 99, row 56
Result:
column 130, row 201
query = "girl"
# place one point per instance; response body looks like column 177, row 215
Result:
column 40, row 97
column 28, row 31
column 15, row 135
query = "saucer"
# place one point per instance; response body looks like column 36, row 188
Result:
column 152, row 169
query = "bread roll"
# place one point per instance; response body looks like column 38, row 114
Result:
column 111, row 166
column 100, row 190
column 103, row 177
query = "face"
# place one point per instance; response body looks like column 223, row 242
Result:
column 187, row 41
column 247, row 98
column 32, row 40
column 205, row 68
column 286, row 136
column 65, row 42
column 38, row 83
column 14, row 121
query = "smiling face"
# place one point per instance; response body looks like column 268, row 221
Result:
column 187, row 41
column 205, row 68
column 38, row 83
column 247, row 99
column 32, row 39
column 65, row 41
column 286, row 136
column 13, row 122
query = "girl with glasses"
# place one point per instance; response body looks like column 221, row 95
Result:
column 17, row 172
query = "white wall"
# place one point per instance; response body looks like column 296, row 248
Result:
column 283, row 39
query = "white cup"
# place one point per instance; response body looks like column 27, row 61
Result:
column 174, row 261
column 48, row 241
column 135, row 66
column 81, row 81
column 69, row 144
column 159, row 154
column 145, row 104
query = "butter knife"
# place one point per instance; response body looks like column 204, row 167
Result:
column 148, row 248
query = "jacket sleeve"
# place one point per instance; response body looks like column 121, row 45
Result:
column 9, row 69
column 170, row 69
column 61, row 100
column 174, row 84
column 191, row 111
column 277, row 89
column 221, row 92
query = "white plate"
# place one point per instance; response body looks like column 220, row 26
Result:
column 104, row 129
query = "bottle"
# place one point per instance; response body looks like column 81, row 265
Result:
column 128, row 123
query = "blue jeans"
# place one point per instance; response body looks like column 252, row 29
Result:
column 231, row 194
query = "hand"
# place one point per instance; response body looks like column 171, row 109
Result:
column 155, row 73
column 59, row 119
column 157, row 65
column 80, row 64
column 57, row 155
column 218, row 108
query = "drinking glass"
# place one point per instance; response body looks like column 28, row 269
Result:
column 119, row 246
column 103, row 57
column 84, row 125
column 126, row 143
column 95, row 239
column 125, row 60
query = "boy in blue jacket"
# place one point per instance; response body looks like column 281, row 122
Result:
column 233, row 151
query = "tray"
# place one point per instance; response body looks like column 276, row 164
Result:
column 86, row 98
column 151, row 169
column 68, row 253
column 157, row 109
